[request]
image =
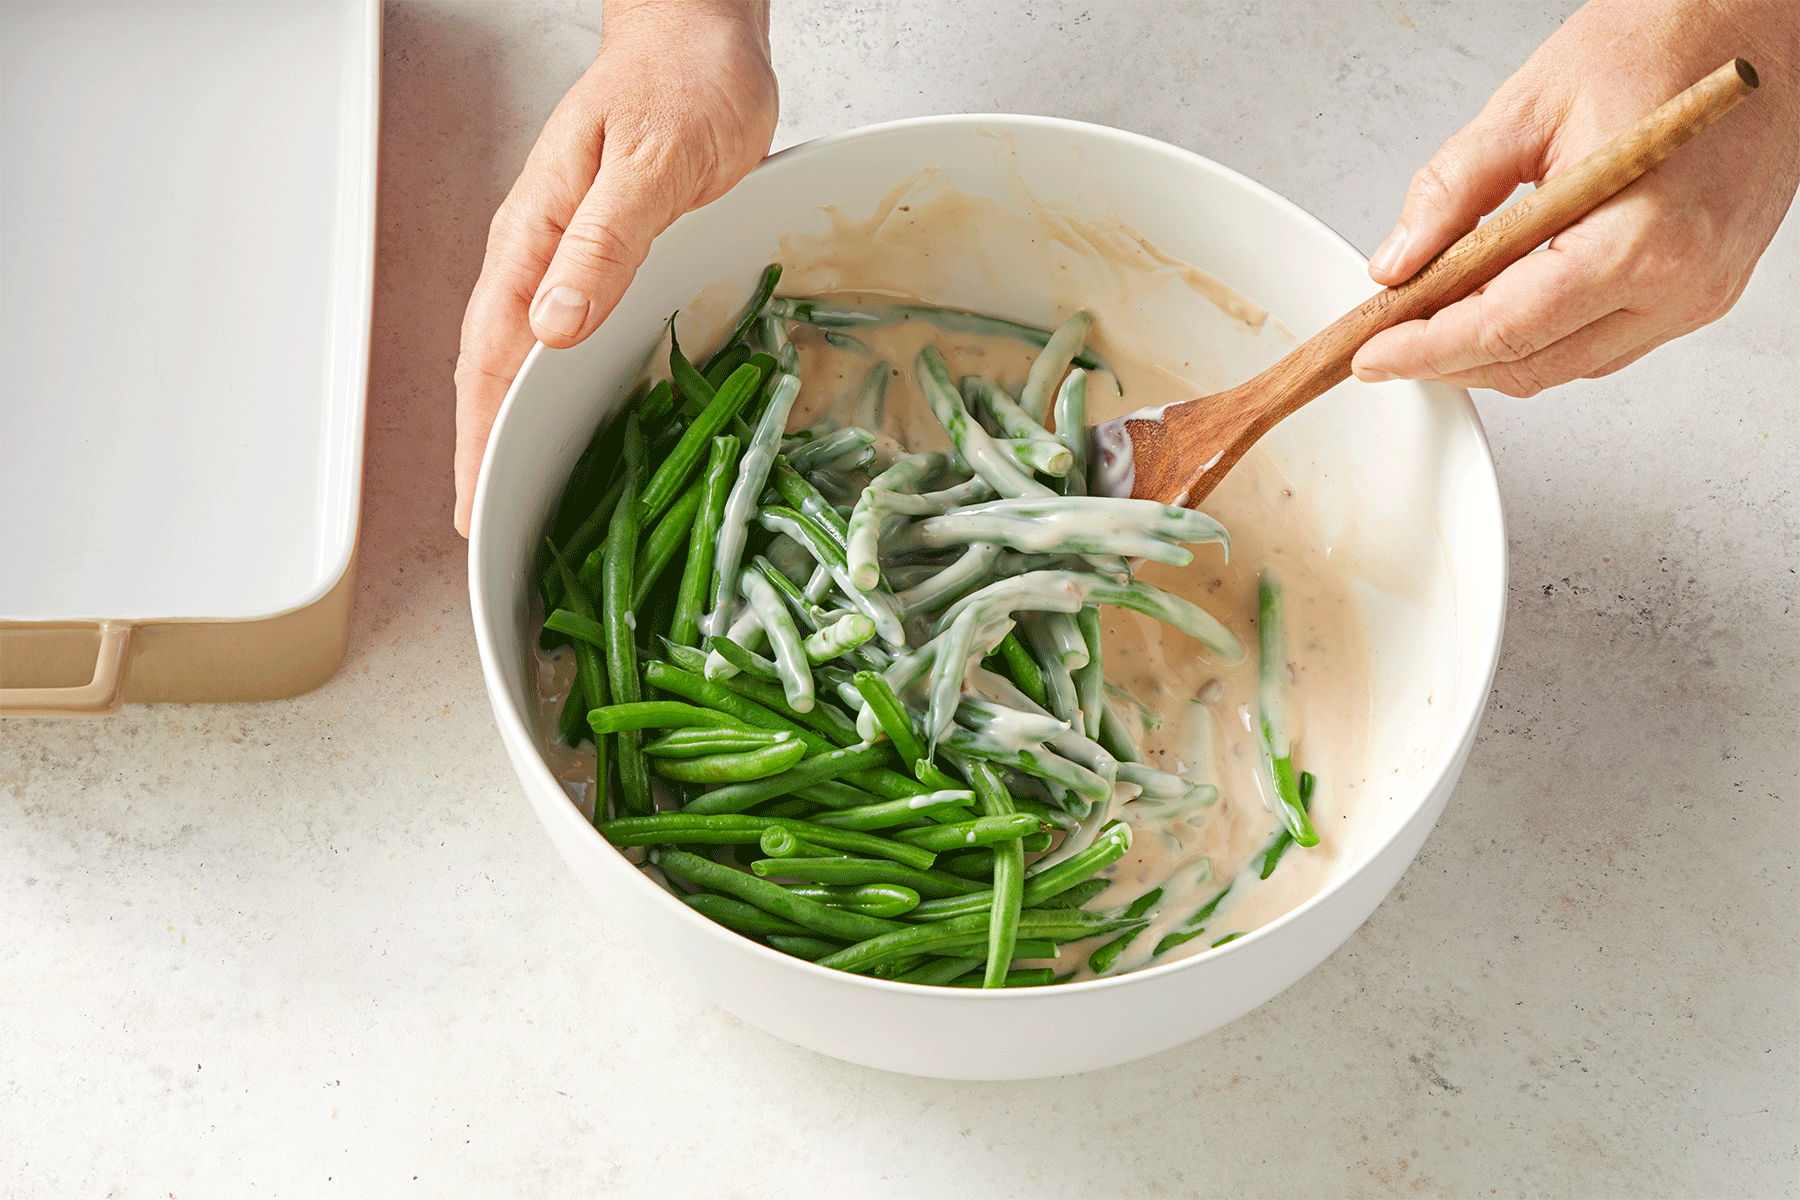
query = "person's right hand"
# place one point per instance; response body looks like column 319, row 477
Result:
column 677, row 107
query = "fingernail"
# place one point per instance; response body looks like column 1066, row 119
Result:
column 1387, row 255
column 562, row 310
column 1371, row 375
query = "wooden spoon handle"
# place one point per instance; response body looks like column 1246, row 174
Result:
column 1324, row 361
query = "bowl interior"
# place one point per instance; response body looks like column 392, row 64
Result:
column 1400, row 477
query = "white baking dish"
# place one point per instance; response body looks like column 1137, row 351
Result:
column 187, row 206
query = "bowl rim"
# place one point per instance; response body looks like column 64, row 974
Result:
column 1467, row 717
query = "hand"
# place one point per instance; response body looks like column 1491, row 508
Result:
column 677, row 107
column 1669, row 254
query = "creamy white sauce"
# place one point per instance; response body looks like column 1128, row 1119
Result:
column 1167, row 332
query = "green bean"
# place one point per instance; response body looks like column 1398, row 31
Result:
column 1101, row 960
column 665, row 828
column 826, row 315
column 665, row 541
column 765, row 288
column 1041, row 883
column 685, row 459
column 785, row 843
column 590, row 479
column 1024, row 669
column 1113, row 735
column 982, row 831
column 1067, row 639
column 811, row 949
column 1090, row 677
column 1193, row 926
column 747, row 712
column 1277, row 753
column 734, row 768
column 696, row 576
column 1023, row 977
column 571, row 721
column 832, row 446
column 721, row 365
column 863, row 530
column 870, row 899
column 1276, row 848
column 771, row 897
column 662, row 714
column 621, row 647
column 589, row 662
column 976, row 446
column 1042, row 763
column 734, row 654
column 827, row 719
column 890, row 813
column 939, row 972
column 1077, row 896
column 840, row 870
column 753, row 473
column 1070, row 413
column 805, row 613
column 786, row 806
column 891, row 714
column 1068, row 591
column 696, row 742
column 739, row 796
column 1049, row 814
column 1050, row 458
column 582, row 629
column 1057, row 925
column 839, row 638
column 791, row 665
column 696, row 390
column 1051, row 364
column 878, row 606
column 1036, row 843
column 740, row 917
column 976, row 564
column 805, row 499
column 586, row 538
column 970, row 864
column 1008, row 892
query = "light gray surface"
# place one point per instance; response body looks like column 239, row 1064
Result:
column 322, row 947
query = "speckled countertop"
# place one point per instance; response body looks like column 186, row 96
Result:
column 321, row 946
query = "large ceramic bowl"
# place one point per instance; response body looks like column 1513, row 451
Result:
column 1400, row 471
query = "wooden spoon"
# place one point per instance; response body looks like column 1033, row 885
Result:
column 1179, row 454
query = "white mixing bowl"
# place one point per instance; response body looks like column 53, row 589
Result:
column 1401, row 472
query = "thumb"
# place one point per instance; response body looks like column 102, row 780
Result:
column 1470, row 176
column 605, row 243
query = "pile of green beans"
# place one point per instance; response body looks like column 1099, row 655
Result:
column 798, row 664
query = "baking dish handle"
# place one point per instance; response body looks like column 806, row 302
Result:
column 98, row 697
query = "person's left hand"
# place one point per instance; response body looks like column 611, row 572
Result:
column 1669, row 254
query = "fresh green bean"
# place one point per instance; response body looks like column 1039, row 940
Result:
column 826, row 719
column 589, row 662
column 786, row 806
column 1024, row 669
column 765, row 288
column 740, row 917
column 1101, row 960
column 1062, row 925
column 735, row 768
column 805, row 499
column 983, row 831
column 586, row 538
column 939, row 972
column 785, row 843
column 696, row 576
column 665, row 542
column 1277, row 753
column 1045, row 764
column 721, row 365
column 1078, row 896
column 621, row 647
column 837, row 869
column 771, row 897
column 870, row 899
column 1008, row 892
column 589, row 480
column 582, row 629
column 664, row 714
column 1276, row 848
column 747, row 712
column 970, row 864
column 1023, row 977
column 890, row 813
column 811, row 949
column 697, row 742
column 1041, row 883
column 685, row 459
column 667, row 828
column 891, row 714
column 739, row 796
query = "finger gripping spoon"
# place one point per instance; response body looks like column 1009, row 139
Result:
column 1179, row 453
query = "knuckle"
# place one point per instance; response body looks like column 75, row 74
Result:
column 596, row 247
